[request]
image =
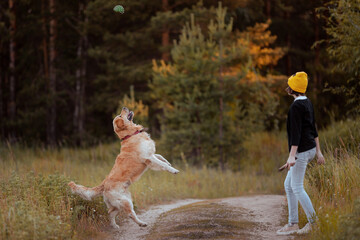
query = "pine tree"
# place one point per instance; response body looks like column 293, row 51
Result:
column 190, row 90
column 216, row 90
column 344, row 29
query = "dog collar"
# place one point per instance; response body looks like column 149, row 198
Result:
column 128, row 136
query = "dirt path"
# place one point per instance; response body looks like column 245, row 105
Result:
column 250, row 217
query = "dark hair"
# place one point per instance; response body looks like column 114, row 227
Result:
column 290, row 91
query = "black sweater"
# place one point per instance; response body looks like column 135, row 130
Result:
column 301, row 128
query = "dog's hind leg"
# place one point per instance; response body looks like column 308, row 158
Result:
column 112, row 215
column 157, row 165
column 117, row 199
column 112, row 211
column 158, row 156
column 129, row 209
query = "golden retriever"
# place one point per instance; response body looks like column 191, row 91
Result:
column 137, row 154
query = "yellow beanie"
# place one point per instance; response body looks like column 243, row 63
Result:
column 298, row 82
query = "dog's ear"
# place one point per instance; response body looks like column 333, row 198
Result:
column 119, row 124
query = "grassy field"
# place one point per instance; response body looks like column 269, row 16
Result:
column 35, row 202
column 34, row 195
column 335, row 187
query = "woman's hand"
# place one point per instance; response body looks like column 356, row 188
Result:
column 320, row 158
column 290, row 162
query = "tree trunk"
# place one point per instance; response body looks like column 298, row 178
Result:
column 317, row 76
column 165, row 35
column 78, row 91
column 221, row 108
column 2, row 117
column 51, row 129
column 79, row 110
column 268, row 9
column 44, row 41
column 288, row 57
column 83, row 87
column 288, row 41
column 12, row 45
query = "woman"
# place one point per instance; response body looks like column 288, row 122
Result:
column 303, row 144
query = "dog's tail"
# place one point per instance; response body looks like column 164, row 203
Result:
column 86, row 193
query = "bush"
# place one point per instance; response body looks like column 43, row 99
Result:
column 41, row 207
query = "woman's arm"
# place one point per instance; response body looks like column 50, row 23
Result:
column 320, row 157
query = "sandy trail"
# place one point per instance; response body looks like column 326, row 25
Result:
column 267, row 210
column 131, row 231
column 248, row 217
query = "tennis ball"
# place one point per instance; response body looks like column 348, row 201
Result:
column 119, row 8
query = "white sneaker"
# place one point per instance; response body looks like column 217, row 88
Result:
column 306, row 229
column 288, row 229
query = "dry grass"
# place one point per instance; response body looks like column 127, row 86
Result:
column 333, row 189
column 35, row 202
column 335, row 186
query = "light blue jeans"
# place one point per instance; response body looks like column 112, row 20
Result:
column 294, row 188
